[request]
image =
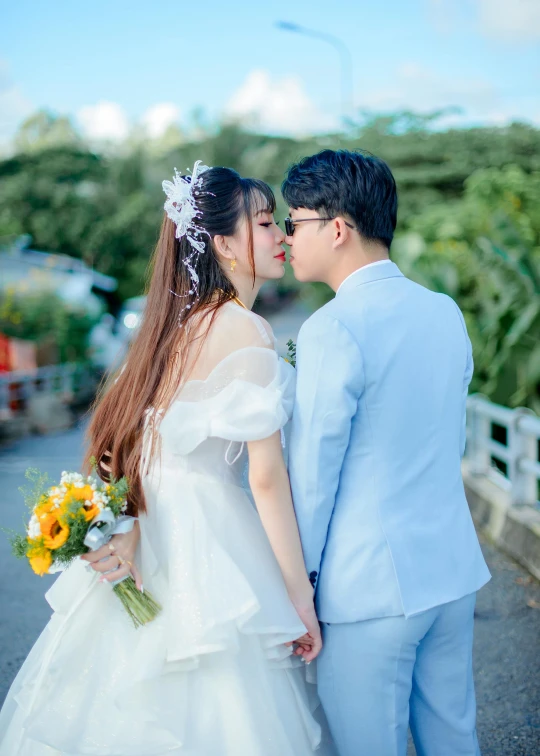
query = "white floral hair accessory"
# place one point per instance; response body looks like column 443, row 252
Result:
column 181, row 208
column 181, row 203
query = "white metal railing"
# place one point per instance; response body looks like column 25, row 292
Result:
column 18, row 386
column 503, row 445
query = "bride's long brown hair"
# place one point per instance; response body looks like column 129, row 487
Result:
column 154, row 365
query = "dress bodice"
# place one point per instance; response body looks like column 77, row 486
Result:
column 248, row 397
column 247, row 394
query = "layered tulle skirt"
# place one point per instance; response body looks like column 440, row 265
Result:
column 211, row 676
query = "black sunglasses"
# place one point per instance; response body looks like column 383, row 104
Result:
column 290, row 223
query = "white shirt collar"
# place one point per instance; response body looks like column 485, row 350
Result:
column 369, row 265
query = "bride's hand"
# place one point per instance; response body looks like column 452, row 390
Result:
column 117, row 555
column 310, row 644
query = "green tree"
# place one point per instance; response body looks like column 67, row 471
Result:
column 43, row 130
column 484, row 251
column 468, row 220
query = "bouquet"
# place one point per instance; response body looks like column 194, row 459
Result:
column 78, row 515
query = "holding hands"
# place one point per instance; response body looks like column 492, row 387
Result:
column 309, row 645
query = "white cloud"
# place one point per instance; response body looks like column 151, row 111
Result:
column 104, row 121
column 505, row 20
column 423, row 90
column 157, row 119
column 517, row 20
column 277, row 105
column 420, row 89
column 443, row 15
column 426, row 89
column 14, row 106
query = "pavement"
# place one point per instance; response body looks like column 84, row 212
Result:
column 507, row 642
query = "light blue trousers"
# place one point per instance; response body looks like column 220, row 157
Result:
column 378, row 676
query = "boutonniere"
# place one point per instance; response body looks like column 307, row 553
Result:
column 291, row 353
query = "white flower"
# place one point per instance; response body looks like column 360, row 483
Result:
column 74, row 478
column 100, row 500
column 34, row 530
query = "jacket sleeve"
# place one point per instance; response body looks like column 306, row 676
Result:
column 330, row 381
column 467, row 377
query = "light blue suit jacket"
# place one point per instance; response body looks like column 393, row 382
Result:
column 377, row 437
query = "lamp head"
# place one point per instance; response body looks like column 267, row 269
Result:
column 287, row 26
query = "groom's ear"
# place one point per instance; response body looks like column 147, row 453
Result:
column 341, row 232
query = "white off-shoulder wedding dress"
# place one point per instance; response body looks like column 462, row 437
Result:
column 211, row 676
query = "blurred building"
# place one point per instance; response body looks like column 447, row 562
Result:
column 30, row 270
column 25, row 272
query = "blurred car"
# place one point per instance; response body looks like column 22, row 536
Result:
column 107, row 348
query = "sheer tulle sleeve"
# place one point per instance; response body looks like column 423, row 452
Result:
column 246, row 396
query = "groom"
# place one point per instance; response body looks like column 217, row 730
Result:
column 377, row 436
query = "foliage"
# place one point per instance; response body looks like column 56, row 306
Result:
column 291, row 352
column 44, row 318
column 484, row 251
column 107, row 208
column 468, row 218
column 43, row 130
column 39, row 482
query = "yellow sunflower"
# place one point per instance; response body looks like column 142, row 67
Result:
column 90, row 511
column 45, row 507
column 84, row 493
column 55, row 532
column 40, row 558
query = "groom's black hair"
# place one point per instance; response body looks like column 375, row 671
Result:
column 354, row 184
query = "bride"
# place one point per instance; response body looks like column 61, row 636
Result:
column 221, row 670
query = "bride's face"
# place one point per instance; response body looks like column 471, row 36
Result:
column 268, row 251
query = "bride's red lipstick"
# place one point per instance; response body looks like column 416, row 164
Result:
column 282, row 256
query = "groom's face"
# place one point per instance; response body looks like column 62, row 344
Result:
column 311, row 245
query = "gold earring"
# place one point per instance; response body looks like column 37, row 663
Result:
column 233, row 265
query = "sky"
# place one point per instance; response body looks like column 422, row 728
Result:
column 115, row 65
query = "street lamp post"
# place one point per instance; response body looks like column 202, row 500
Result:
column 345, row 59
